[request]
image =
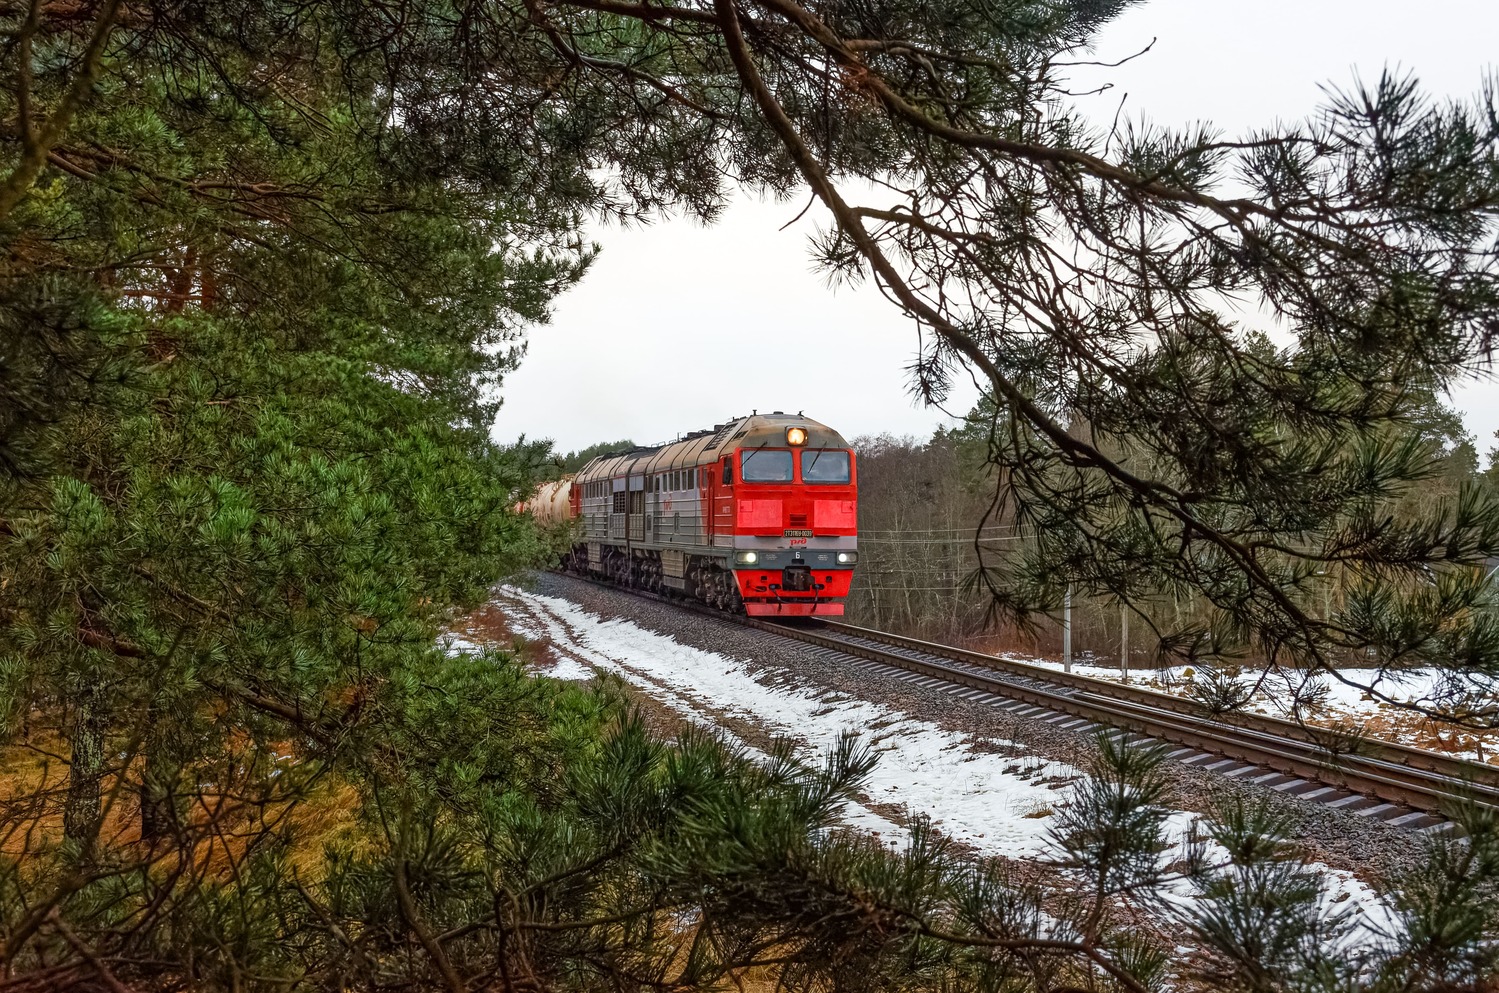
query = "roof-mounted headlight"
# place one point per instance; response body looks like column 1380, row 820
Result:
column 796, row 437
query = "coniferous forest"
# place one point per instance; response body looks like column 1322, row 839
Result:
column 266, row 266
column 923, row 559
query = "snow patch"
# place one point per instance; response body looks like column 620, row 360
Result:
column 1338, row 702
column 563, row 666
column 998, row 804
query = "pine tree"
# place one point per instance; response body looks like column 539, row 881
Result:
column 266, row 263
column 1083, row 279
column 248, row 382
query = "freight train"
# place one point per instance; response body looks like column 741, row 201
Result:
column 757, row 516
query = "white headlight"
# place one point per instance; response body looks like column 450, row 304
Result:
column 746, row 558
column 847, row 558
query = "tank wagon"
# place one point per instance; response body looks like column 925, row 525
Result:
column 550, row 504
column 758, row 515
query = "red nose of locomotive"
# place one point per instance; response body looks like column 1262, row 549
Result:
column 796, row 543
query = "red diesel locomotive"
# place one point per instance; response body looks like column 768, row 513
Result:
column 756, row 515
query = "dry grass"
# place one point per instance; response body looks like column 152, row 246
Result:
column 222, row 825
column 486, row 626
column 490, row 627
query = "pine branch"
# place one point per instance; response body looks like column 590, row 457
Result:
column 36, row 144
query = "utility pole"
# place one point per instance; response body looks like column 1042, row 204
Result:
column 1124, row 641
column 1067, row 630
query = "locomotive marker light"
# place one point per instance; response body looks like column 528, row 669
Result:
column 796, row 437
column 746, row 558
column 847, row 558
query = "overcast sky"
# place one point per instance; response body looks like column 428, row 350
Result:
column 736, row 317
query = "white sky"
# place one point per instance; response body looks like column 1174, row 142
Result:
column 738, row 319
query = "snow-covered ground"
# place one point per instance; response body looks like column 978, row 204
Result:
column 990, row 795
column 1335, row 702
column 993, row 802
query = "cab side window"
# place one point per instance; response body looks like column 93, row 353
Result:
column 728, row 471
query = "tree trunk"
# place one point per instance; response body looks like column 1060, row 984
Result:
column 81, row 813
column 157, row 795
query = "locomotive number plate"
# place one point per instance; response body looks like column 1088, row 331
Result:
column 798, row 533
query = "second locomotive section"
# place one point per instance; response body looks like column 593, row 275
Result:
column 760, row 512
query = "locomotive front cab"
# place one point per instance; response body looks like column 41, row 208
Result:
column 795, row 540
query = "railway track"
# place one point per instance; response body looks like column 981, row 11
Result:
column 1397, row 784
column 1368, row 776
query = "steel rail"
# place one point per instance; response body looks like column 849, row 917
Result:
column 1397, row 774
column 1419, row 789
column 1459, row 770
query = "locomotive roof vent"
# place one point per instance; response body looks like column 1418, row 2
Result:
column 778, row 413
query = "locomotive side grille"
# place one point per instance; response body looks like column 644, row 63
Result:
column 797, row 520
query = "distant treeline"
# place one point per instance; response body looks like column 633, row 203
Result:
column 926, row 508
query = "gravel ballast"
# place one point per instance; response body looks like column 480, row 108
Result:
column 1339, row 840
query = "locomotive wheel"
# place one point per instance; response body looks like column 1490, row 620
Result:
column 725, row 591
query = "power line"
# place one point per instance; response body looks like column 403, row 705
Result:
column 964, row 530
column 936, row 541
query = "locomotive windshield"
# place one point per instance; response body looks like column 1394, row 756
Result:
column 765, row 466
column 825, row 466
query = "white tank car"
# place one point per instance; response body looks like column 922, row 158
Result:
column 550, row 503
